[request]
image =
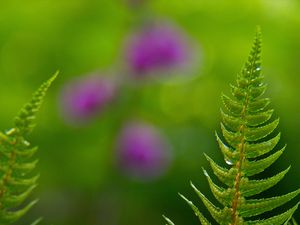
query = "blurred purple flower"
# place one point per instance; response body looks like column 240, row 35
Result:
column 143, row 152
column 157, row 47
column 86, row 97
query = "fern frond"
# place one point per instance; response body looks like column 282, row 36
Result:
column 248, row 148
column 17, row 161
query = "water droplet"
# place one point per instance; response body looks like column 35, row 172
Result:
column 205, row 173
column 258, row 69
column 10, row 131
column 228, row 162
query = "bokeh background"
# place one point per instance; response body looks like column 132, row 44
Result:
column 81, row 182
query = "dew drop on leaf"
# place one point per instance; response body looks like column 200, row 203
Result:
column 205, row 173
column 228, row 162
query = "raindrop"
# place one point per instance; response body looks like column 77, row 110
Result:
column 228, row 162
column 258, row 69
column 205, row 173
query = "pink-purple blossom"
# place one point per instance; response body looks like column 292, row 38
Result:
column 157, row 48
column 143, row 151
column 86, row 97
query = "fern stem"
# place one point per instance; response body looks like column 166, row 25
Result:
column 241, row 148
column 6, row 177
column 238, row 177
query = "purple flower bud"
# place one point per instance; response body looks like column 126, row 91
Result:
column 86, row 97
column 157, row 48
column 143, row 152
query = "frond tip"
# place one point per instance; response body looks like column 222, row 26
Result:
column 201, row 218
column 169, row 222
column 249, row 147
column 24, row 121
column 17, row 161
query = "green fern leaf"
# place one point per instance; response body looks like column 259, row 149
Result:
column 169, row 222
column 17, row 162
column 291, row 222
column 250, row 137
column 201, row 218
column 37, row 221
column 24, row 122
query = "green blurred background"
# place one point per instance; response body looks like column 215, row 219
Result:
column 79, row 181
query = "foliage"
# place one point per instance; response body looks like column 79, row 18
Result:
column 293, row 222
column 17, row 162
column 249, row 140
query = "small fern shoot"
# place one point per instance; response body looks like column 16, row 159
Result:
column 250, row 137
column 17, row 161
